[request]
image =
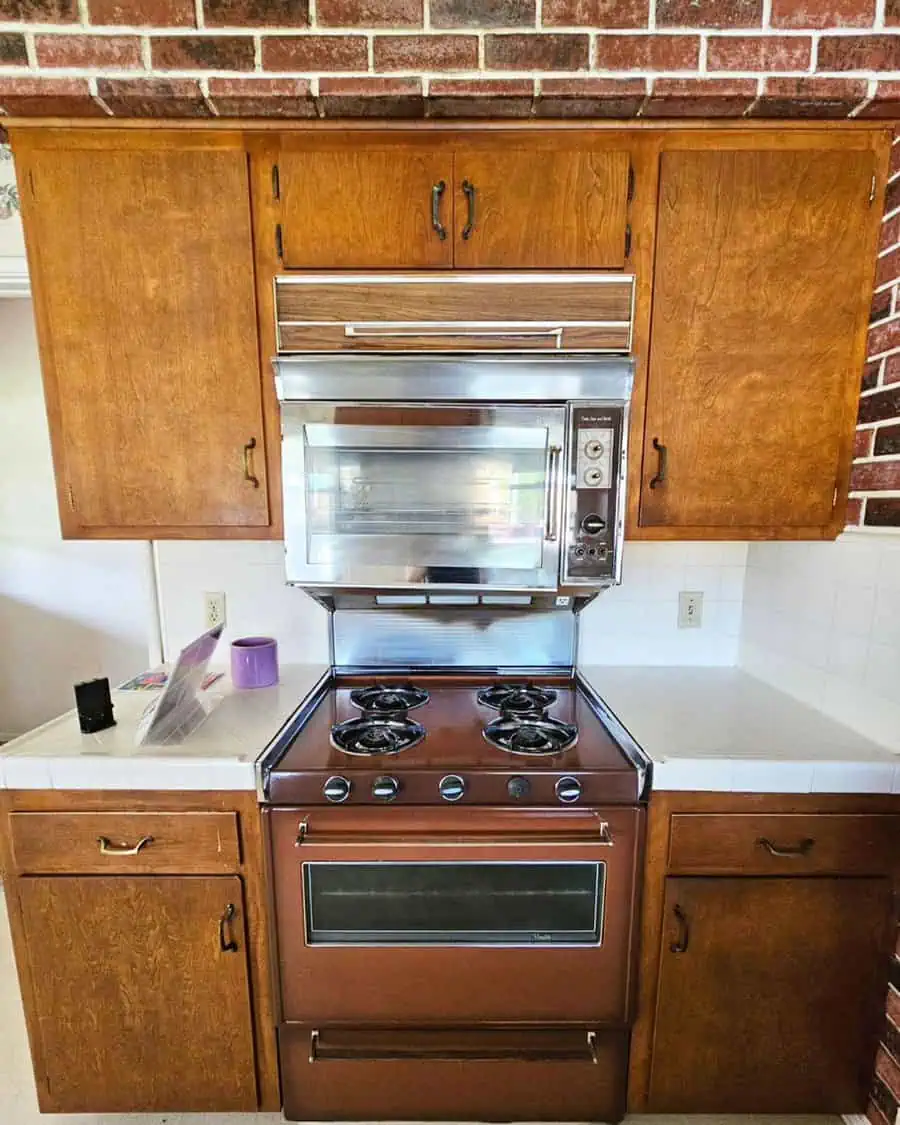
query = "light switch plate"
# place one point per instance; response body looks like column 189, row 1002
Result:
column 690, row 609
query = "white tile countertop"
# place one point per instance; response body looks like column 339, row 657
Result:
column 219, row 755
column 723, row 730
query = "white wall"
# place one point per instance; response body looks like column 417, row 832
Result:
column 822, row 621
column 637, row 622
column 68, row 610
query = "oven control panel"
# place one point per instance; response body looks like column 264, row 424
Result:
column 434, row 787
column 596, row 442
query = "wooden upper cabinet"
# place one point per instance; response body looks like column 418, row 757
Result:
column 763, row 280
column 140, row 994
column 358, row 208
column 143, row 275
column 540, row 209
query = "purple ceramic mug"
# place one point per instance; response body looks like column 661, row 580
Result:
column 254, row 662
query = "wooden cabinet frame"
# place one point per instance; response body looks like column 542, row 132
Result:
column 250, row 868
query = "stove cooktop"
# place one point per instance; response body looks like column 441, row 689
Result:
column 449, row 757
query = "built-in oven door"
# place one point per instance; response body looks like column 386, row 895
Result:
column 426, row 916
column 390, row 496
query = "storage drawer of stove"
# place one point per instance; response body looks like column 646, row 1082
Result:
column 452, row 1074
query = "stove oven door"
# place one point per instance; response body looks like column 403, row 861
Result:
column 444, row 916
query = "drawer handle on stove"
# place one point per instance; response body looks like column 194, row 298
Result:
column 802, row 849
column 107, row 847
column 302, row 830
column 680, row 944
column 605, row 835
column 516, row 1052
column 592, row 1047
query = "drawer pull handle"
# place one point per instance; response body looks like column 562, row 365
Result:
column 469, row 191
column 662, row 467
column 302, row 830
column 570, row 1053
column 436, row 192
column 226, row 939
column 680, row 944
column 249, row 475
column 107, row 847
column 802, row 849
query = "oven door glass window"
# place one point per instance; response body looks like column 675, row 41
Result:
column 454, row 903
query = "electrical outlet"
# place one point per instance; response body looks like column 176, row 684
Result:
column 690, row 609
column 215, row 609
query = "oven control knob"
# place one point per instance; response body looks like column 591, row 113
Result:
column 337, row 789
column 568, row 790
column 518, row 788
column 452, row 787
column 385, row 788
column 593, row 524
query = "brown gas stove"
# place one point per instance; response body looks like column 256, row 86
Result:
column 454, row 879
column 461, row 740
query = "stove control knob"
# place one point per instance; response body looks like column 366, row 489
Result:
column 518, row 788
column 385, row 788
column 337, row 790
column 593, row 524
column 568, row 790
column 452, row 787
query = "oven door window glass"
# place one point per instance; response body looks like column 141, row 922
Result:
column 438, row 496
column 454, row 903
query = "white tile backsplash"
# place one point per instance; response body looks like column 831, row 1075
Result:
column 822, row 622
column 637, row 622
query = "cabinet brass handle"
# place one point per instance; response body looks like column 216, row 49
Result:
column 437, row 192
column 469, row 191
column 802, row 849
column 226, row 939
column 662, row 467
column 249, row 475
column 107, row 847
column 680, row 944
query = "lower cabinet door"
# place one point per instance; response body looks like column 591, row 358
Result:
column 769, row 994
column 140, row 993
column 463, row 1074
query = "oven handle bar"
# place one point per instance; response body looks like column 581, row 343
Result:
column 319, row 1053
column 599, row 835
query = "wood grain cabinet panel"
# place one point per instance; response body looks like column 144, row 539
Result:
column 761, row 291
column 140, row 1005
column 142, row 266
column 123, row 842
column 769, row 994
column 540, row 209
column 358, row 208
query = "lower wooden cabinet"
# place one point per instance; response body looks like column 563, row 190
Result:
column 765, row 994
column 141, row 991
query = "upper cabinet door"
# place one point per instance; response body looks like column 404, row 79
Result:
column 540, row 209
column 142, row 263
column 353, row 208
column 763, row 280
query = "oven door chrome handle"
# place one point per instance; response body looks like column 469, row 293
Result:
column 321, row 1054
column 402, row 332
column 551, row 498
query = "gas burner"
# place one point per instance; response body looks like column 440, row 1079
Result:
column 376, row 735
column 517, row 699
column 531, row 734
column 388, row 700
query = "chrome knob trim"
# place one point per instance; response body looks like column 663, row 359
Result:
column 337, row 789
column 452, row 787
column 568, row 790
column 385, row 788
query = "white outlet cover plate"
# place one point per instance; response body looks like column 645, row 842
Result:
column 690, row 609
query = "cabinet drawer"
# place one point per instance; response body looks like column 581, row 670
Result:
column 783, row 844
column 471, row 312
column 95, row 842
column 550, row 1074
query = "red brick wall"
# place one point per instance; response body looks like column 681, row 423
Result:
column 875, row 482
column 612, row 58
column 885, row 1101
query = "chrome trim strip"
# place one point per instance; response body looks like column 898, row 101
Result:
column 353, row 328
column 642, row 763
column 278, row 744
column 457, row 278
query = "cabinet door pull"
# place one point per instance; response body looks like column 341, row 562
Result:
column 107, row 847
column 662, row 467
column 802, row 849
column 684, row 933
column 469, row 192
column 249, row 475
column 226, row 939
column 436, row 193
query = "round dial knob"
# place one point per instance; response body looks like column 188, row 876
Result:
column 518, row 787
column 593, row 478
column 385, row 788
column 592, row 524
column 452, row 787
column 594, row 449
column 337, row 789
column 568, row 790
